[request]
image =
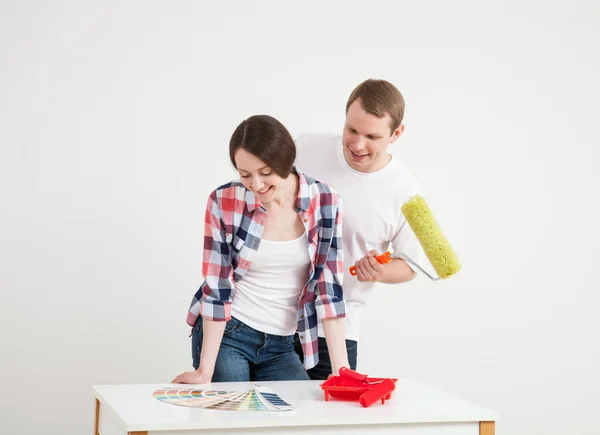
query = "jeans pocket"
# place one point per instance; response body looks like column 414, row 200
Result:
column 232, row 325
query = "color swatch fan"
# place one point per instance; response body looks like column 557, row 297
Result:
column 257, row 399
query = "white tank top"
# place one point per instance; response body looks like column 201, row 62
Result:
column 266, row 298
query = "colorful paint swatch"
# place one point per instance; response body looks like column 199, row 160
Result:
column 270, row 396
column 257, row 399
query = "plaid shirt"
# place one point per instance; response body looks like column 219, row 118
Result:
column 232, row 234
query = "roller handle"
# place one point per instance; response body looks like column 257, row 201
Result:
column 384, row 258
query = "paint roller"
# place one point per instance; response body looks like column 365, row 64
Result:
column 429, row 234
column 377, row 390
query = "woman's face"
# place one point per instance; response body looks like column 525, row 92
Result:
column 257, row 176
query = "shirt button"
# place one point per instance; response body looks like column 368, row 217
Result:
column 302, row 337
column 305, row 221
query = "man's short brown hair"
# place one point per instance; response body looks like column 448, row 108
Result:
column 379, row 98
column 268, row 139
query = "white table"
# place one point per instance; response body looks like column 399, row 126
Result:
column 414, row 408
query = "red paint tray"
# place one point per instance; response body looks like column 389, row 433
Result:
column 351, row 385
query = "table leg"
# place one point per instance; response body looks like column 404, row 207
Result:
column 97, row 423
column 97, row 419
column 487, row 428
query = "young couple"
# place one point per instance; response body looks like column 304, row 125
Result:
column 278, row 302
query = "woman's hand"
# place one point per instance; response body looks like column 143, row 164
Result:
column 212, row 334
column 195, row 377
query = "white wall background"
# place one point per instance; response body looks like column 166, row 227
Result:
column 115, row 119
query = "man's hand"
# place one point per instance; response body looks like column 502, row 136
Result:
column 368, row 268
column 195, row 377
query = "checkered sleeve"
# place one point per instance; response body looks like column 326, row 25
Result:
column 213, row 299
column 330, row 296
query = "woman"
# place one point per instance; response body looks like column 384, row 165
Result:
column 272, row 265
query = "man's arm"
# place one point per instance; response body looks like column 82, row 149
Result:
column 396, row 271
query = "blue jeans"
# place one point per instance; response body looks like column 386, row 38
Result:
column 323, row 369
column 250, row 355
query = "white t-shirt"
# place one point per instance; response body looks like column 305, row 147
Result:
column 372, row 213
column 266, row 299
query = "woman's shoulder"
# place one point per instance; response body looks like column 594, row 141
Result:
column 230, row 190
column 229, row 186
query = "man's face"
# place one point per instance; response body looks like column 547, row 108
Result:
column 366, row 139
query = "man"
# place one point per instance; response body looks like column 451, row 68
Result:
column 373, row 186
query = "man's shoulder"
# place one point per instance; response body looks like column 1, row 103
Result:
column 402, row 173
column 401, row 177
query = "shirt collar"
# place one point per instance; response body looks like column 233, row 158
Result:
column 303, row 199
column 252, row 201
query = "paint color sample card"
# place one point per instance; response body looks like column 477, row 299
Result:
column 270, row 396
column 257, row 399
